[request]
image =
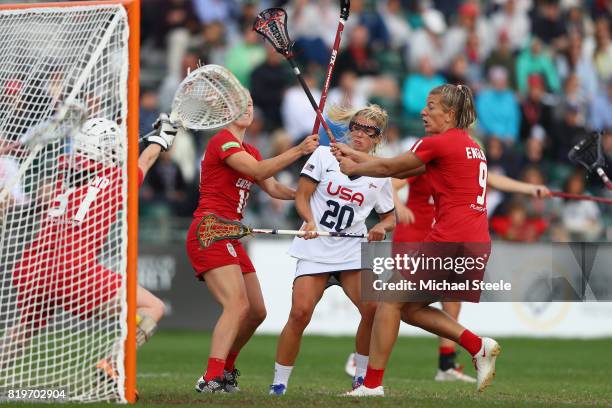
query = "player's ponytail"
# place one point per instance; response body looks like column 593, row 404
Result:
column 460, row 100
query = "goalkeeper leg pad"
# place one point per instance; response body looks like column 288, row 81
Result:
column 145, row 329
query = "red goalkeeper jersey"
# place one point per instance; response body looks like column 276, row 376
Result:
column 457, row 170
column 223, row 190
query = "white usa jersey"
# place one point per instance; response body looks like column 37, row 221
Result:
column 340, row 203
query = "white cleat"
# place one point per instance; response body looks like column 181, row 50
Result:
column 363, row 391
column 351, row 367
column 452, row 374
column 484, row 362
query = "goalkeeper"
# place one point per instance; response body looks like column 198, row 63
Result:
column 59, row 268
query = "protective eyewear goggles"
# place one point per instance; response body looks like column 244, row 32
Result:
column 372, row 131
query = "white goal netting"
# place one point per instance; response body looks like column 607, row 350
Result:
column 63, row 227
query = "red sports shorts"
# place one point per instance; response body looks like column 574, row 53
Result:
column 220, row 253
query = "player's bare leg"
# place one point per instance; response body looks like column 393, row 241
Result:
column 255, row 316
column 307, row 291
column 13, row 344
column 448, row 370
column 484, row 350
column 226, row 284
column 351, row 284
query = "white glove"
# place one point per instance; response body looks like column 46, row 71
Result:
column 166, row 134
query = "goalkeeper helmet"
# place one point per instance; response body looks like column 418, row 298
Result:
column 100, row 140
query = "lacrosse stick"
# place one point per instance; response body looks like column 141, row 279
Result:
column 588, row 152
column 272, row 25
column 345, row 6
column 208, row 98
column 581, row 197
column 213, row 228
column 67, row 120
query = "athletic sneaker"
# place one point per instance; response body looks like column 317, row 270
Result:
column 215, row 385
column 278, row 389
column 231, row 380
column 484, row 362
column 363, row 391
column 357, row 382
column 109, row 375
column 453, row 374
column 351, row 367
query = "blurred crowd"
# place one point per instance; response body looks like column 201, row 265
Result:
column 541, row 72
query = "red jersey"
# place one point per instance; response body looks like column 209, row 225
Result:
column 223, row 190
column 78, row 219
column 457, row 171
column 420, row 202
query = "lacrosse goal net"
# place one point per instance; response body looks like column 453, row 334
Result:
column 68, row 223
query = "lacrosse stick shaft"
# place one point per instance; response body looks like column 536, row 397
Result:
column 604, row 177
column 581, row 197
column 344, row 8
column 298, row 74
column 302, row 233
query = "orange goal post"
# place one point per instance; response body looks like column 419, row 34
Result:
column 69, row 200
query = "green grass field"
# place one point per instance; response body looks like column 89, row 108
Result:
column 537, row 373
column 530, row 372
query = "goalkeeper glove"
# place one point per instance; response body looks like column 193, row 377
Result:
column 166, row 134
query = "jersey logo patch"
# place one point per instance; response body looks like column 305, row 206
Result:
column 231, row 250
column 372, row 185
column 229, row 145
column 310, row 167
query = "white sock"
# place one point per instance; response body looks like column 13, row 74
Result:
column 281, row 374
column 361, row 363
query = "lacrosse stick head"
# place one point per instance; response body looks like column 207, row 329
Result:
column 213, row 228
column 67, row 119
column 588, row 152
column 272, row 25
column 345, row 8
column 208, row 98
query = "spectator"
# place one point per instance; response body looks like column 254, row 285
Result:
column 548, row 25
column 498, row 108
column 569, row 132
column 535, row 109
column 574, row 61
column 500, row 158
column 269, row 81
column 534, row 60
column 211, row 43
column 473, row 51
column 298, row 115
column 397, row 26
column 429, row 42
column 516, row 225
column 357, row 57
column 602, row 54
column 469, row 22
column 165, row 186
column 573, row 95
column 581, row 218
column 149, row 110
column 457, row 73
column 177, row 24
column 512, row 23
column 601, row 112
column 171, row 82
column 215, row 10
column 417, row 87
column 373, row 21
column 502, row 56
column 313, row 26
column 245, row 55
column 348, row 92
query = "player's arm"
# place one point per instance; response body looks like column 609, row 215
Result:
column 148, row 157
column 305, row 190
column 386, row 224
column 403, row 214
column 276, row 189
column 246, row 164
column 158, row 142
column 378, row 166
column 509, row 185
column 411, row 173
